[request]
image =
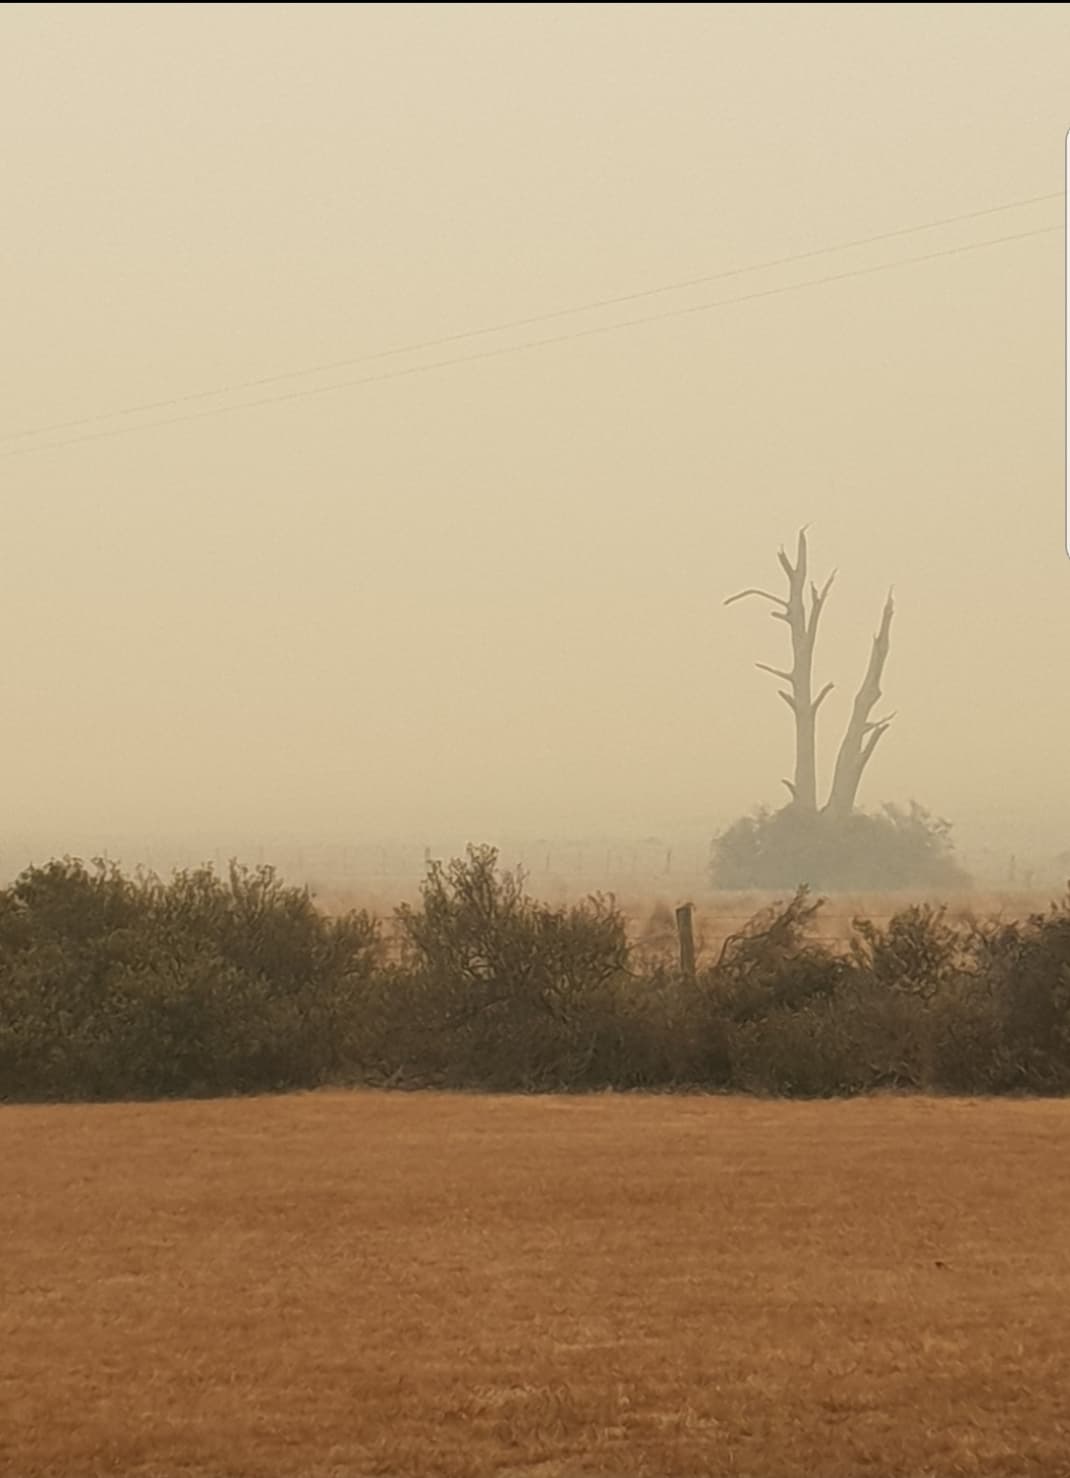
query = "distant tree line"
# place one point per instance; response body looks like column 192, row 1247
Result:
column 131, row 987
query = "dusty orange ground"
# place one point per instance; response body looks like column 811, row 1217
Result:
column 350, row 1284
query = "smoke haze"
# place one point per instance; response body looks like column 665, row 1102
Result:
column 485, row 600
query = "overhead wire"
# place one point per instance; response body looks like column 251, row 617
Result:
column 526, row 346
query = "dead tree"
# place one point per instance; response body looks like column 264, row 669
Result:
column 798, row 694
column 862, row 734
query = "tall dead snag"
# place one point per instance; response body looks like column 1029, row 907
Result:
column 863, row 734
column 798, row 695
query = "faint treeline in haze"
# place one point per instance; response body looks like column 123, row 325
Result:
column 559, row 868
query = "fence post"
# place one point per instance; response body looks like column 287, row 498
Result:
column 685, row 929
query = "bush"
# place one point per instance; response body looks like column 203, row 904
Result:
column 774, row 963
column 506, row 992
column 890, row 850
column 918, row 953
column 118, row 987
column 112, row 986
column 1026, row 966
column 773, row 970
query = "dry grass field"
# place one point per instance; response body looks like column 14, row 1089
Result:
column 650, row 913
column 358, row 1283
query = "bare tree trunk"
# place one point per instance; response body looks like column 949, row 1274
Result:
column 863, row 734
column 798, row 694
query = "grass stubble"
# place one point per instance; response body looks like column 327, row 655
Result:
column 359, row 1283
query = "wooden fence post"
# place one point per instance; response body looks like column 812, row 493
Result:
column 685, row 929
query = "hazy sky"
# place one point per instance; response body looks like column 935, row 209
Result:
column 488, row 598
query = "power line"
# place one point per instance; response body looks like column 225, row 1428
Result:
column 495, row 328
column 609, row 328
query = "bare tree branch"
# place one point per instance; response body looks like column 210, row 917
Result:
column 856, row 748
column 817, row 602
column 871, row 743
column 777, row 600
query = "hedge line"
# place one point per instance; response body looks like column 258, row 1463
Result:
column 117, row 987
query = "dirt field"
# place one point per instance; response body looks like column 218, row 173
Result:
column 355, row 1283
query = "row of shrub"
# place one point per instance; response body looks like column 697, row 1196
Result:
column 116, row 987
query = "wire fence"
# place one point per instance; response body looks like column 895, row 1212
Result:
column 640, row 875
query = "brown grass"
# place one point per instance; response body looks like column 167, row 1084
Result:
column 650, row 915
column 357, row 1283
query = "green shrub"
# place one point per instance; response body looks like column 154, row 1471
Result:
column 134, row 987
column 1027, row 967
column 892, row 849
column 114, row 987
column 513, row 993
column 770, row 971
